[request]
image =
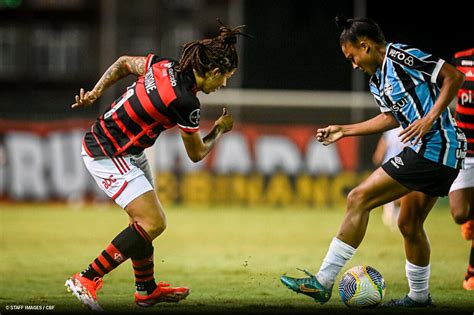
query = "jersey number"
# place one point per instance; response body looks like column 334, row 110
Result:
column 130, row 93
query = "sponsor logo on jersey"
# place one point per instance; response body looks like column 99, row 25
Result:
column 466, row 97
column 170, row 73
column 399, row 104
column 401, row 56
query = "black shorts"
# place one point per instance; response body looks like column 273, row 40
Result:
column 418, row 173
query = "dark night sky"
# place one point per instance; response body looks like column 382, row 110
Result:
column 297, row 45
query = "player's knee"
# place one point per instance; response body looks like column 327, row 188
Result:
column 409, row 229
column 460, row 214
column 154, row 223
column 157, row 225
column 356, row 199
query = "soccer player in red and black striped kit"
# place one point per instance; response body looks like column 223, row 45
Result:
column 461, row 194
column 163, row 96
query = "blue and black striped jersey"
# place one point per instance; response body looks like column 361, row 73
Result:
column 406, row 85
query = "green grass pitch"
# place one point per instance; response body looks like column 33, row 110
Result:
column 231, row 258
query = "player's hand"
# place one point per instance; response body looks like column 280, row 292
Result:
column 226, row 122
column 416, row 130
column 85, row 98
column 329, row 134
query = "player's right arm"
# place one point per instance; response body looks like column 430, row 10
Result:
column 196, row 147
column 121, row 68
column 383, row 122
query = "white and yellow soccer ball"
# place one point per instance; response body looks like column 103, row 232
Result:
column 362, row 287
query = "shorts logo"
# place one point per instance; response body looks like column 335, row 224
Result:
column 108, row 182
column 397, row 162
column 195, row 116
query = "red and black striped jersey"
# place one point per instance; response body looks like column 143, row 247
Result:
column 464, row 62
column 160, row 99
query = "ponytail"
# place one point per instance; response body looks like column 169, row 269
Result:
column 352, row 29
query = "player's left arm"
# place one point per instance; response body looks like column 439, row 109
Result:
column 122, row 67
column 380, row 123
column 196, row 147
column 451, row 81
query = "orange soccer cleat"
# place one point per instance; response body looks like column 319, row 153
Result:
column 85, row 290
column 467, row 230
column 468, row 284
column 162, row 293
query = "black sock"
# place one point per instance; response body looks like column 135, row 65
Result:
column 143, row 267
column 130, row 242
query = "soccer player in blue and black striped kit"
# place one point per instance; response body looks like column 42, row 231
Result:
column 412, row 89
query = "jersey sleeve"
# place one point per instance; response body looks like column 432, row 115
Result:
column 414, row 59
column 377, row 98
column 150, row 60
column 186, row 113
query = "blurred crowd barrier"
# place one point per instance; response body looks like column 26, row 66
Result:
column 255, row 164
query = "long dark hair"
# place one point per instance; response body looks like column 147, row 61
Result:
column 210, row 53
column 354, row 28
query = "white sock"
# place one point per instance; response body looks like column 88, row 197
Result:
column 418, row 281
column 338, row 254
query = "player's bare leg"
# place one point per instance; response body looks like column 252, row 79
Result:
column 378, row 189
column 147, row 211
column 414, row 209
column 462, row 211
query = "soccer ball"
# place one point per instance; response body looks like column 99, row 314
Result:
column 362, row 287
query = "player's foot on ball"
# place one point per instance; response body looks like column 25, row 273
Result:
column 85, row 290
column 309, row 286
column 162, row 293
column 409, row 303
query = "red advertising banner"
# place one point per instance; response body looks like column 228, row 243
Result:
column 271, row 165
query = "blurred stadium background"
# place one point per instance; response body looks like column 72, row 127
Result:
column 292, row 79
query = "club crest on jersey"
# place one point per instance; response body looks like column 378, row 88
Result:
column 195, row 116
column 387, row 88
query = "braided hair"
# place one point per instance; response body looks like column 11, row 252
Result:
column 210, row 53
column 354, row 28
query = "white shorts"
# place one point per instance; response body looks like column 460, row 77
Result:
column 465, row 177
column 122, row 178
